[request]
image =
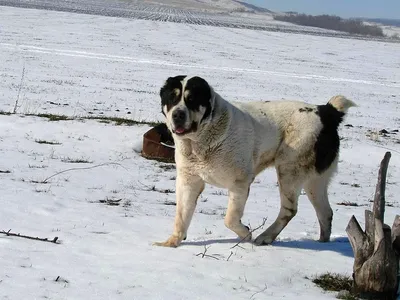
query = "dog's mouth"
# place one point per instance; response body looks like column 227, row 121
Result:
column 180, row 131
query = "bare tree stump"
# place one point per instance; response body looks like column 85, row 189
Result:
column 376, row 250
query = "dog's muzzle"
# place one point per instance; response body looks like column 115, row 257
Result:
column 179, row 120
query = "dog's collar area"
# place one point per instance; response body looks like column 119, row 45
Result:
column 210, row 110
column 212, row 113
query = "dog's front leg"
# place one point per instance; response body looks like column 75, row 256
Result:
column 188, row 189
column 237, row 200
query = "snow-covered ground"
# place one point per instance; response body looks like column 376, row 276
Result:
column 107, row 217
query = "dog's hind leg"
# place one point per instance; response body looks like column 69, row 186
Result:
column 188, row 189
column 289, row 187
column 237, row 200
column 317, row 191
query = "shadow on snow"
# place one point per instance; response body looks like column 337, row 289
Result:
column 339, row 245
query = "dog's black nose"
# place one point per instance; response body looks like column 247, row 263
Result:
column 179, row 116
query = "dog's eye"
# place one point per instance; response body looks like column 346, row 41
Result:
column 174, row 97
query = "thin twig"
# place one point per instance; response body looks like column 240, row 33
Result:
column 249, row 234
column 251, row 297
column 203, row 254
column 19, row 89
column 229, row 256
column 383, row 147
column 210, row 256
column 60, row 279
column 9, row 233
column 84, row 168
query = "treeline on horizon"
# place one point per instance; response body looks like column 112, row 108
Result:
column 332, row 22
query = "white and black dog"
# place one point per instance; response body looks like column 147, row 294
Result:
column 227, row 145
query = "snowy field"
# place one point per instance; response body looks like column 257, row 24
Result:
column 107, row 217
column 225, row 13
column 216, row 13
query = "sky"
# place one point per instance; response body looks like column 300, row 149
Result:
column 389, row 9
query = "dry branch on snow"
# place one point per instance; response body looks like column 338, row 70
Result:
column 9, row 233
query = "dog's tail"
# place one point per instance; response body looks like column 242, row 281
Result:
column 341, row 103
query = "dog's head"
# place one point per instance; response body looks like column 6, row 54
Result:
column 186, row 103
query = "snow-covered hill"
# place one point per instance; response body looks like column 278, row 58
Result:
column 210, row 5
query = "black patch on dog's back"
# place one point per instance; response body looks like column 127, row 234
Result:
column 327, row 145
column 167, row 93
column 199, row 95
column 305, row 109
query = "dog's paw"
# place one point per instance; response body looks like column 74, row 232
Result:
column 324, row 239
column 172, row 242
column 247, row 237
column 263, row 240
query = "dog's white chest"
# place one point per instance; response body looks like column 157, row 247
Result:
column 215, row 172
column 215, row 165
column 215, row 178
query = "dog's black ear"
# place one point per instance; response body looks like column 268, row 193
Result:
column 167, row 86
column 200, row 95
column 168, row 94
column 164, row 88
column 164, row 94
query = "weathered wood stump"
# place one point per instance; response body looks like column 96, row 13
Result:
column 377, row 249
